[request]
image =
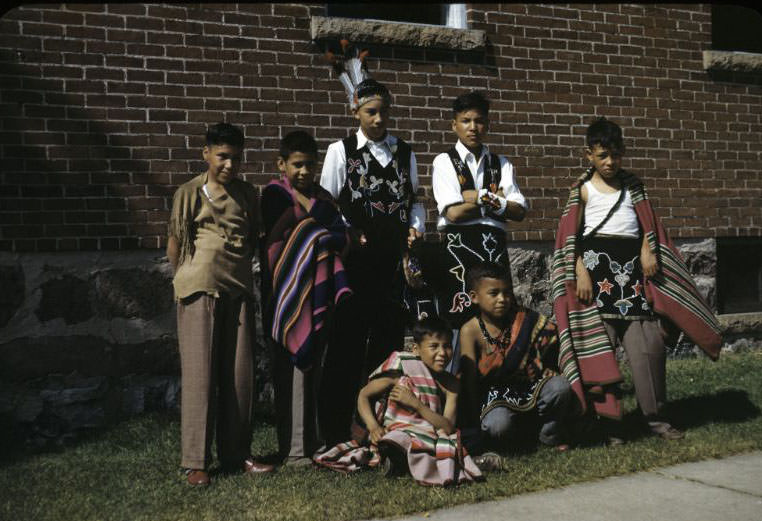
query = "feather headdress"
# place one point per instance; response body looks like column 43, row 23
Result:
column 351, row 69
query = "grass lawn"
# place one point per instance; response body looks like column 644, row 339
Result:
column 131, row 472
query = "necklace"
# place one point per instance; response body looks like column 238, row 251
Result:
column 501, row 341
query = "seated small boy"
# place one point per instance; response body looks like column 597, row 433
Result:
column 509, row 365
column 413, row 424
column 302, row 278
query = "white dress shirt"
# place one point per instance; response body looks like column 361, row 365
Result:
column 446, row 187
column 334, row 173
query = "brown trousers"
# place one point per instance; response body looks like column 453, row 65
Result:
column 643, row 343
column 216, row 338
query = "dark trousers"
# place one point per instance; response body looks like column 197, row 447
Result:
column 296, row 398
column 217, row 364
column 367, row 327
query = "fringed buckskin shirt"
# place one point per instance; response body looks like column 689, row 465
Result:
column 216, row 238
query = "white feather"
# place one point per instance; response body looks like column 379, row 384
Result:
column 354, row 68
column 349, row 87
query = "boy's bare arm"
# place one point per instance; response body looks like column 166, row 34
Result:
column 373, row 390
column 405, row 397
column 173, row 252
column 648, row 260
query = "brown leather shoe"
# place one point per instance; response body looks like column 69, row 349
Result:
column 253, row 467
column 198, row 478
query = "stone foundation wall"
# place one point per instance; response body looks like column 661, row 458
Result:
column 88, row 339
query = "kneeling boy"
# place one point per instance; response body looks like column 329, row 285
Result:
column 510, row 364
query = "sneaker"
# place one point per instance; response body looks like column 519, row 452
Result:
column 671, row 434
column 297, row 461
column 489, row 461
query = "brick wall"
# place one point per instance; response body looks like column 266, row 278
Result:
column 104, row 108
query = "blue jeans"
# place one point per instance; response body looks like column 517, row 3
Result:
column 553, row 405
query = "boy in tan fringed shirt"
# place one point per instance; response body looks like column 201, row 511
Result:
column 212, row 237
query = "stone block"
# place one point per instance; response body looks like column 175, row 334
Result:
column 65, row 297
column 396, row 33
column 131, row 293
column 13, row 287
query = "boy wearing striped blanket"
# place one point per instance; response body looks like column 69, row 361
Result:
column 302, row 279
column 412, row 427
column 617, row 278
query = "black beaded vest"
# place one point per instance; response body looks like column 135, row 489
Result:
column 492, row 173
column 378, row 199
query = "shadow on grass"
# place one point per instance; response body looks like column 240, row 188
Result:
column 728, row 406
column 18, row 444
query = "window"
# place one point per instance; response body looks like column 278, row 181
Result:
column 736, row 28
column 449, row 15
column 739, row 274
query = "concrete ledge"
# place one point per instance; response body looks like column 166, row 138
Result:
column 733, row 61
column 749, row 324
column 397, row 33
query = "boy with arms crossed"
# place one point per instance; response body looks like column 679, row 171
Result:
column 212, row 236
column 617, row 278
column 476, row 194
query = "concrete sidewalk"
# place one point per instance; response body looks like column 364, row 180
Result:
column 729, row 489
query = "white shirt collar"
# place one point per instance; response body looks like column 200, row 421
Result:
column 361, row 140
column 463, row 152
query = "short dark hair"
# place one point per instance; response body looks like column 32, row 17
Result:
column 605, row 133
column 298, row 141
column 431, row 325
column 371, row 87
column 487, row 270
column 470, row 101
column 224, row 134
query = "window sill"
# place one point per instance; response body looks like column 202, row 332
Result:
column 397, row 33
column 733, row 61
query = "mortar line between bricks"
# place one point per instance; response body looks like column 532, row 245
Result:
column 699, row 482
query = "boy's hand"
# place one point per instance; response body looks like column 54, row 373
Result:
column 649, row 263
column 584, row 287
column 412, row 236
column 376, row 433
column 357, row 237
column 404, row 396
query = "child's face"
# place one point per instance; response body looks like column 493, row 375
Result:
column 494, row 297
column 606, row 161
column 435, row 351
column 471, row 127
column 299, row 169
column 374, row 117
column 224, row 162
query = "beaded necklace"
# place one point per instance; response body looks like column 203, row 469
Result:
column 501, row 341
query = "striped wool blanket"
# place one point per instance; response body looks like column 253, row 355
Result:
column 434, row 457
column 587, row 357
column 307, row 275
